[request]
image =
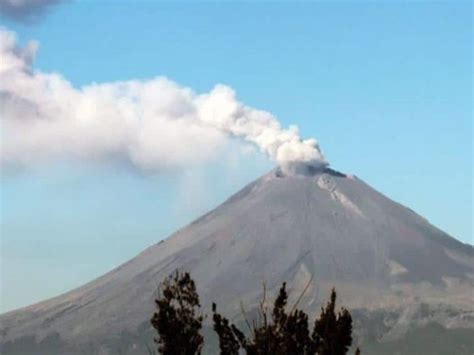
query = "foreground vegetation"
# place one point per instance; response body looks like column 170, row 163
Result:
column 178, row 322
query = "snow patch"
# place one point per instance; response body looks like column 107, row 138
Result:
column 327, row 183
column 347, row 203
column 396, row 268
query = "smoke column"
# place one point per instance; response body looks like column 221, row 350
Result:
column 154, row 124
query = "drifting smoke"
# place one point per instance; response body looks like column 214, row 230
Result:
column 154, row 124
column 26, row 11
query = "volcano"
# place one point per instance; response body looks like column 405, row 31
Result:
column 408, row 285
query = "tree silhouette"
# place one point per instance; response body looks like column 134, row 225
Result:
column 228, row 341
column 288, row 332
column 332, row 333
column 178, row 320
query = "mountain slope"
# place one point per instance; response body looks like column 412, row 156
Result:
column 385, row 261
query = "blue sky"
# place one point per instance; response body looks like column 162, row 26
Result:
column 386, row 88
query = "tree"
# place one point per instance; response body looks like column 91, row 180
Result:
column 332, row 333
column 178, row 320
column 288, row 332
column 228, row 343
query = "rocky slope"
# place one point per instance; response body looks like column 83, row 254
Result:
column 397, row 273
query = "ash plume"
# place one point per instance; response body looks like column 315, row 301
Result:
column 154, row 124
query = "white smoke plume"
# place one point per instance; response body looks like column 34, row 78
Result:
column 154, row 124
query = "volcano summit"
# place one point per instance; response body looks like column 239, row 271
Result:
column 408, row 285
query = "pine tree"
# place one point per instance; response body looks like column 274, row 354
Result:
column 332, row 332
column 288, row 333
column 228, row 342
column 178, row 320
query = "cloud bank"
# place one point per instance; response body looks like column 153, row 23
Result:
column 26, row 11
column 154, row 124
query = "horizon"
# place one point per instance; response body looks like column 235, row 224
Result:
column 403, row 126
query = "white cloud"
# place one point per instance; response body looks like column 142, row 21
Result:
column 154, row 124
